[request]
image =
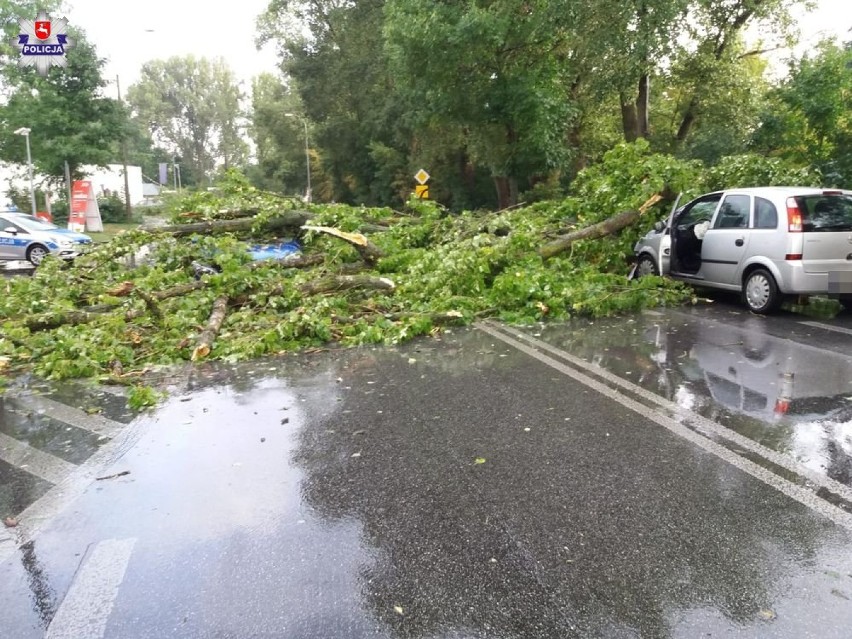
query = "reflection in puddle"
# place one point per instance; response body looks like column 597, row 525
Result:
column 793, row 397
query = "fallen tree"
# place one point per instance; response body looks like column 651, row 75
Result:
column 609, row 226
column 290, row 220
column 417, row 273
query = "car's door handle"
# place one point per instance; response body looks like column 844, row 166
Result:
column 740, row 242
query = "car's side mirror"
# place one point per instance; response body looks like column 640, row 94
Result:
column 659, row 226
column 11, row 229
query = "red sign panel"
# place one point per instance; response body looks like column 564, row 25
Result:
column 80, row 193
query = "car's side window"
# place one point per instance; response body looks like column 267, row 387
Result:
column 765, row 214
column 703, row 209
column 734, row 212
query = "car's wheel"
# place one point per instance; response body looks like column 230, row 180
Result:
column 760, row 292
column 846, row 302
column 645, row 265
column 36, row 254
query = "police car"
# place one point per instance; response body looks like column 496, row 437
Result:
column 25, row 237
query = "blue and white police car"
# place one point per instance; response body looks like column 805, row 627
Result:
column 25, row 237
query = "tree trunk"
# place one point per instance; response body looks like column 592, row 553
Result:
column 504, row 192
column 607, row 227
column 205, row 340
column 629, row 122
column 643, row 106
column 688, row 120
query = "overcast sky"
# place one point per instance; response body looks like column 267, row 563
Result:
column 182, row 27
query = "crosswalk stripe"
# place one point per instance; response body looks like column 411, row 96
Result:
column 72, row 416
column 34, row 461
column 86, row 608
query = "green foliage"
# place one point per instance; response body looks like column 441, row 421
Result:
column 143, row 397
column 750, row 169
column 193, row 105
column 807, row 119
column 67, row 113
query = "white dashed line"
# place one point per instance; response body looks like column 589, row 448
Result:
column 828, row 327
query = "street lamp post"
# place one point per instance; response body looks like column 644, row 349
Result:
column 26, row 133
column 128, row 205
column 307, row 154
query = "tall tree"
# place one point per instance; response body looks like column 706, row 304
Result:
column 278, row 136
column 192, row 108
column 333, row 53
column 69, row 118
column 489, row 71
column 808, row 118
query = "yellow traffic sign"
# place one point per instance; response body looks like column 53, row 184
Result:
column 421, row 176
column 422, row 191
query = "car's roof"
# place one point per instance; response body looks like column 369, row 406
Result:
column 785, row 190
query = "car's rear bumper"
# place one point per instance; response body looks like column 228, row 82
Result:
column 796, row 281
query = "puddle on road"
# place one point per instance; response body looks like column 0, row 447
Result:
column 792, row 397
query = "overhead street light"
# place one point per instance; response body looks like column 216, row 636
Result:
column 25, row 131
column 307, row 154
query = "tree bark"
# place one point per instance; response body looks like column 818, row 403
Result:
column 643, row 128
column 336, row 283
column 504, row 192
column 607, row 227
column 629, row 122
column 688, row 120
column 208, row 335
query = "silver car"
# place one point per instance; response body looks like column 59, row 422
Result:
column 766, row 243
column 25, row 237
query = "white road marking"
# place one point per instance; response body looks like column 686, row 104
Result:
column 70, row 415
column 85, row 610
column 802, row 495
column 40, row 513
column 34, row 461
column 828, row 327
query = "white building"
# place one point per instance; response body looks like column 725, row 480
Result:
column 104, row 182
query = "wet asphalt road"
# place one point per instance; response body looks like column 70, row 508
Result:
column 680, row 473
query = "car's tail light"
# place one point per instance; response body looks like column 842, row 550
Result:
column 793, row 256
column 794, row 216
column 832, row 192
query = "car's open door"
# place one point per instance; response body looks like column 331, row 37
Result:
column 665, row 256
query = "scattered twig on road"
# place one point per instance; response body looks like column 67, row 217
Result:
column 121, row 474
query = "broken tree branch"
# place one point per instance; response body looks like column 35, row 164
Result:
column 607, row 227
column 337, row 283
column 368, row 251
column 205, row 340
column 151, row 305
column 288, row 219
column 291, row 261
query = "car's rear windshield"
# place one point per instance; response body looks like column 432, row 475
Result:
column 825, row 213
